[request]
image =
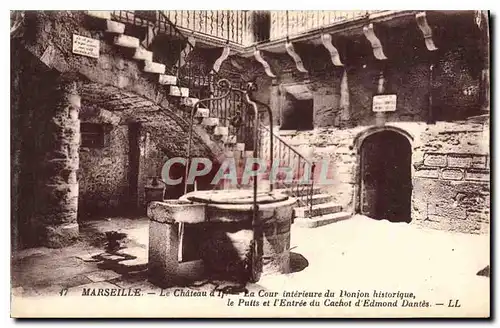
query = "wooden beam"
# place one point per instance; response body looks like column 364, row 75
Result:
column 326, row 39
column 222, row 58
column 151, row 33
column 426, row 30
column 185, row 52
column 296, row 58
column 267, row 68
column 378, row 51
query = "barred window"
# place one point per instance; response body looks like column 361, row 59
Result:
column 92, row 135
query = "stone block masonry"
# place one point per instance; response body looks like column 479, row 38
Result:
column 450, row 172
column 468, row 167
column 451, row 184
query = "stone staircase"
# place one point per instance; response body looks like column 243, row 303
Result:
column 314, row 208
column 323, row 210
column 213, row 125
column 310, row 212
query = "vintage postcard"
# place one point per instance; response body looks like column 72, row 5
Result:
column 250, row 163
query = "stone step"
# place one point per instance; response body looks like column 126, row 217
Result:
column 184, row 92
column 221, row 131
column 202, row 112
column 322, row 220
column 189, row 101
column 303, row 191
column 210, row 121
column 317, row 210
column 103, row 14
column 152, row 67
column 240, row 146
column 231, row 140
column 143, row 54
column 248, row 153
column 127, row 41
column 317, row 199
column 175, row 91
column 178, row 91
column 115, row 27
column 167, row 79
column 236, row 154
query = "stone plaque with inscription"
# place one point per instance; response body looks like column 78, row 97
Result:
column 459, row 161
column 435, row 160
column 477, row 175
column 427, row 173
column 452, row 174
column 85, row 46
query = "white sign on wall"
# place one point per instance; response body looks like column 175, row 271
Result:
column 85, row 46
column 384, row 103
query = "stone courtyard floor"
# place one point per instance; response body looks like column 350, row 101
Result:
column 359, row 254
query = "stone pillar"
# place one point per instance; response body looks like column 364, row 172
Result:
column 57, row 219
column 275, row 102
column 344, row 97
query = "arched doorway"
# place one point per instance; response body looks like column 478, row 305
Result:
column 385, row 163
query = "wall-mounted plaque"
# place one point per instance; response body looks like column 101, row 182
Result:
column 85, row 46
column 384, row 103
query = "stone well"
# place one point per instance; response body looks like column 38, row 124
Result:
column 213, row 234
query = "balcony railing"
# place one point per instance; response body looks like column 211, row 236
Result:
column 295, row 22
column 229, row 25
column 246, row 27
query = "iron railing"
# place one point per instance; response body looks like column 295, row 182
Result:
column 232, row 111
column 301, row 185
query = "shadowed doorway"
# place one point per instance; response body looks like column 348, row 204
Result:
column 386, row 187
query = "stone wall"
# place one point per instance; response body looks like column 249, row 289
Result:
column 104, row 174
column 41, row 57
column 450, row 169
column 50, row 33
column 450, row 158
column 27, row 142
column 342, row 97
column 451, row 182
column 15, row 141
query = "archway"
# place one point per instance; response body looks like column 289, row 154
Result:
column 385, row 174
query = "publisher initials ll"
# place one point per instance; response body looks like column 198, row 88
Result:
column 456, row 304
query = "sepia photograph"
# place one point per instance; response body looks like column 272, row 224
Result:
column 250, row 164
